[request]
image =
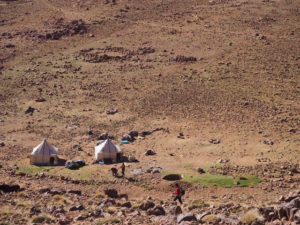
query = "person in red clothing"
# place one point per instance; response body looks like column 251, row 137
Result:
column 123, row 169
column 177, row 193
column 114, row 171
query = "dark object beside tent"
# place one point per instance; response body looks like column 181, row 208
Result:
column 76, row 164
column 172, row 177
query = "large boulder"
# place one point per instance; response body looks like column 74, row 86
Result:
column 157, row 211
column 146, row 205
column 297, row 216
column 175, row 210
column 133, row 133
column 186, row 217
column 75, row 192
column 201, row 215
column 76, row 208
column 126, row 204
column 9, row 188
column 112, row 193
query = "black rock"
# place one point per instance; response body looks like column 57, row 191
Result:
column 9, row 188
column 30, row 110
column 112, row 193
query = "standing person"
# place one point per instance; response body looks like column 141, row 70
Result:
column 178, row 193
column 114, row 170
column 123, row 169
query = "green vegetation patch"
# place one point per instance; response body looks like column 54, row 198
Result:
column 31, row 169
column 221, row 180
column 147, row 185
column 188, row 165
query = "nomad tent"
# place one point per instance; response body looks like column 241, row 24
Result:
column 44, row 154
column 108, row 151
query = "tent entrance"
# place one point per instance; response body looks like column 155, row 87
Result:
column 52, row 160
column 119, row 157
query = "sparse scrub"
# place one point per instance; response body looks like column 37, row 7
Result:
column 41, row 219
column 211, row 219
column 108, row 221
column 99, row 195
column 22, row 195
column 251, row 216
column 197, row 204
column 110, row 210
column 147, row 185
column 60, row 199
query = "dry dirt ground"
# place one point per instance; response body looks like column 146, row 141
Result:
column 219, row 69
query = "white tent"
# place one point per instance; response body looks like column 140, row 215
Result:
column 107, row 150
column 44, row 154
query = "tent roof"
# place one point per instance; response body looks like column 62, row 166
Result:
column 107, row 146
column 44, row 148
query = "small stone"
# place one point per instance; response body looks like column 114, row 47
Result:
column 111, row 111
column 214, row 141
column 76, row 208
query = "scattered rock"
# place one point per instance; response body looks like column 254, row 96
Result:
column 9, row 188
column 150, row 152
column 214, row 141
column 90, row 132
column 175, row 210
column 34, row 211
column 40, row 100
column 76, row 208
column 111, row 111
column 98, row 211
column 10, row 46
column 30, row 110
column 268, row 142
column 57, row 191
column 180, row 135
column 2, row 144
column 293, row 130
column 80, row 217
column 75, row 192
column 146, row 205
column 133, row 133
column 61, row 29
column 184, row 59
column 77, row 147
column 201, row 215
column 186, row 217
column 107, row 203
column 145, row 133
column 112, row 193
column 126, row 204
column 154, row 170
column 44, row 190
column 157, row 211
column 223, row 160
